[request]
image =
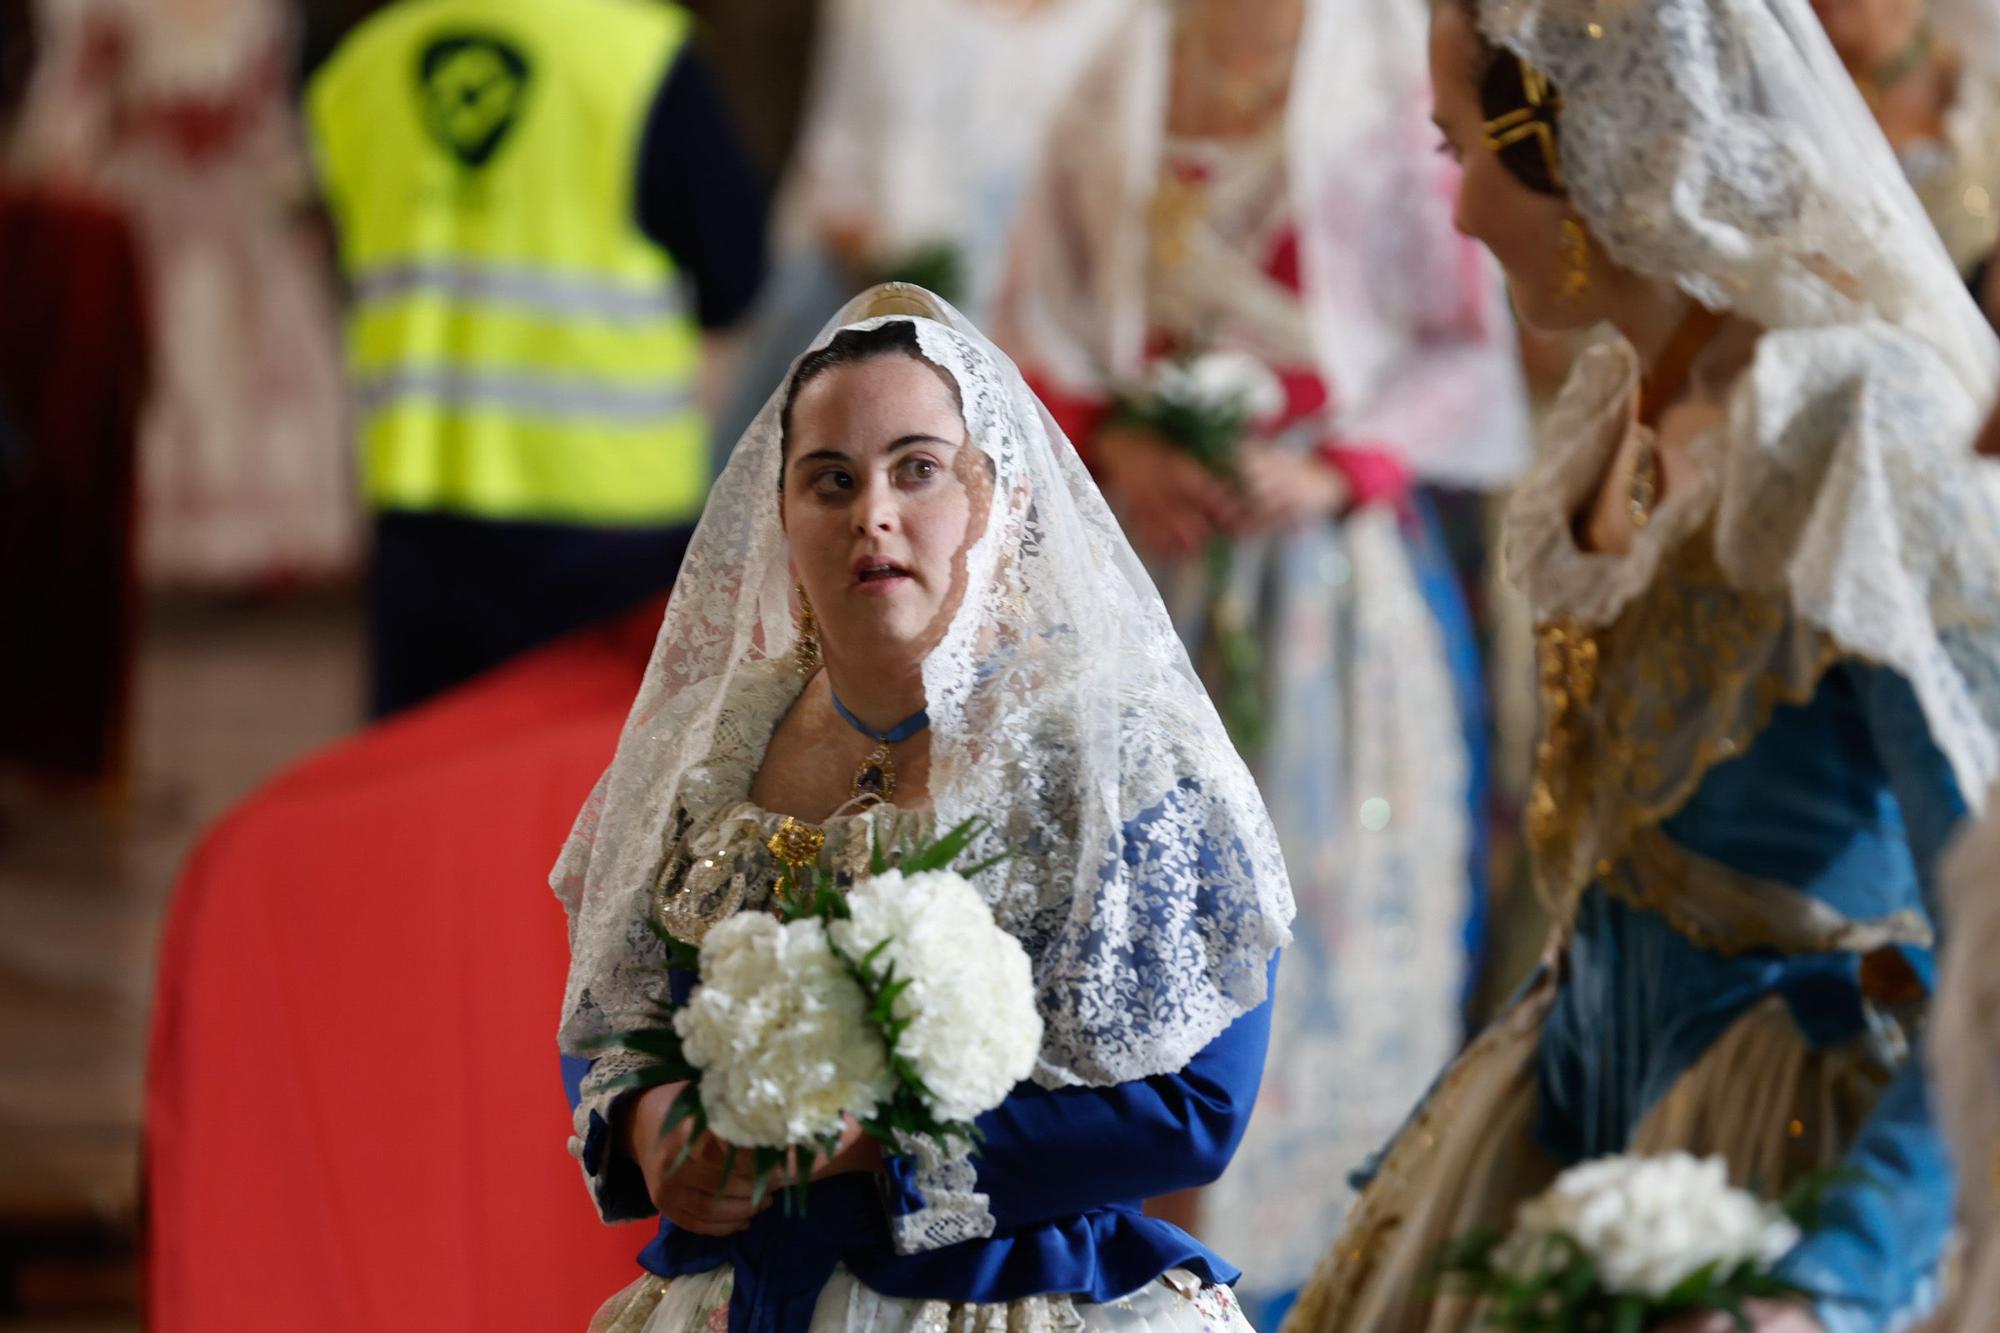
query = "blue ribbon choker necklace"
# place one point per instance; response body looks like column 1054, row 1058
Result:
column 875, row 775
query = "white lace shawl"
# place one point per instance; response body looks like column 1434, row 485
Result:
column 1832, row 482
column 1407, row 320
column 1145, row 880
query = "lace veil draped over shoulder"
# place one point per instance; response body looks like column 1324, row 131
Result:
column 1720, row 145
column 1144, row 879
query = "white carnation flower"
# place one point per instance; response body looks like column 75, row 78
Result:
column 1170, row 380
column 1237, row 378
column 779, row 1029
column 1649, row 1223
column 974, row 1030
column 1220, row 381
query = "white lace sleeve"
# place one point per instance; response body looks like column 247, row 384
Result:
column 638, row 979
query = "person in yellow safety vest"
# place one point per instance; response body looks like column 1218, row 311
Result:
column 542, row 207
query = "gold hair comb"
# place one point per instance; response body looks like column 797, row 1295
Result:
column 1534, row 121
column 903, row 298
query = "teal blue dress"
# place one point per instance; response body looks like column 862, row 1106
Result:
column 1762, row 724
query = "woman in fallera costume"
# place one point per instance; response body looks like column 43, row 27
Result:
column 1252, row 178
column 907, row 605
column 1766, row 572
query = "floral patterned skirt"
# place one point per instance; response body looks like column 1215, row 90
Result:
column 1179, row 1302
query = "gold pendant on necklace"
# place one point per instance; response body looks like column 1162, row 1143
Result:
column 875, row 776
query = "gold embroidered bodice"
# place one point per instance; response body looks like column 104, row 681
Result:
column 1638, row 711
column 734, row 860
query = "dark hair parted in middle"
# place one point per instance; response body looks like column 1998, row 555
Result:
column 851, row 347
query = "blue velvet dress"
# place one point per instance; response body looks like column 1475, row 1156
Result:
column 1737, row 819
column 1063, row 1173
column 1847, row 799
column 1744, row 982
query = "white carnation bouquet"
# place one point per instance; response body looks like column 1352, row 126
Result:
column 900, row 1003
column 1205, row 405
column 1626, row 1243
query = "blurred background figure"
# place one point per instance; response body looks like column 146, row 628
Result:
column 924, row 120
column 1257, row 179
column 73, row 366
column 922, row 123
column 181, row 112
column 544, row 214
column 1930, row 71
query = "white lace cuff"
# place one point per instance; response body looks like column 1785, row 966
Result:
column 953, row 1210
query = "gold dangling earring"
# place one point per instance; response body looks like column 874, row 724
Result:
column 805, row 649
column 1576, row 263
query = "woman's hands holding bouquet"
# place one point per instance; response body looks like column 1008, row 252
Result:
column 1173, row 504
column 840, row 1026
column 703, row 1195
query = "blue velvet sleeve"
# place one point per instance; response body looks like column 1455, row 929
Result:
column 1881, row 1237
column 615, row 1180
column 1049, row 1153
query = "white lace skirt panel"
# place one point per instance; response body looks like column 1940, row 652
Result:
column 1178, row 1302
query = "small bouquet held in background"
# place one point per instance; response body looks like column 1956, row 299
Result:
column 1623, row 1244
column 1205, row 405
column 900, row 1003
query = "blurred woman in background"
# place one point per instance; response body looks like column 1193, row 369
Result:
column 183, row 111
column 923, row 121
column 1252, row 179
column 1930, row 71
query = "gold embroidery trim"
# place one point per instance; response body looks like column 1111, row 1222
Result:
column 1637, row 712
column 1746, row 913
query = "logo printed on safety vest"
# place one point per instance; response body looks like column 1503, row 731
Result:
column 472, row 89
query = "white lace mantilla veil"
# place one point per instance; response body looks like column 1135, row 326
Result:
column 1386, row 278
column 1063, row 709
column 1720, row 145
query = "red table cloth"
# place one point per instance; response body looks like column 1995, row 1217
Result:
column 355, row 1119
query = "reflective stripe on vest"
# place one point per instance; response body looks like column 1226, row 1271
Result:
column 518, row 348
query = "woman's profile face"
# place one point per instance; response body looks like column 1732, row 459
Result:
column 1522, row 227
column 883, row 494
